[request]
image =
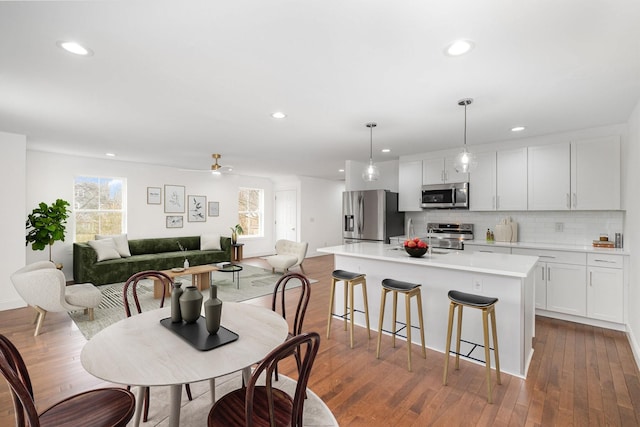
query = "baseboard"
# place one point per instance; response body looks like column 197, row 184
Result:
column 635, row 348
column 11, row 304
column 584, row 320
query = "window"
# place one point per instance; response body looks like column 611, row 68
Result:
column 250, row 211
column 98, row 206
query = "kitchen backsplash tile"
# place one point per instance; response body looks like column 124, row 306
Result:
column 571, row 228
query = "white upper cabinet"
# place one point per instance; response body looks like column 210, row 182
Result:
column 549, row 177
column 441, row 170
column 511, row 180
column 591, row 181
column 410, row 186
column 499, row 182
column 482, row 183
column 595, row 174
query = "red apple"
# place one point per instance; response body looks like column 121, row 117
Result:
column 412, row 244
column 422, row 244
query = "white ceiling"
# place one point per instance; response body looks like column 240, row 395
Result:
column 172, row 82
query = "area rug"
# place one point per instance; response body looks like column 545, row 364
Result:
column 194, row 413
column 254, row 282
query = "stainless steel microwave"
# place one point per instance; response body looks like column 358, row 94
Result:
column 446, row 196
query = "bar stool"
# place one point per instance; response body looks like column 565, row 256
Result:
column 487, row 305
column 350, row 280
column 409, row 290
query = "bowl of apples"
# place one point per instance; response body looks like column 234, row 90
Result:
column 415, row 247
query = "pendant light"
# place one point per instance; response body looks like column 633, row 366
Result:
column 371, row 172
column 465, row 161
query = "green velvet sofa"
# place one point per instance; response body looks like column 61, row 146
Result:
column 146, row 254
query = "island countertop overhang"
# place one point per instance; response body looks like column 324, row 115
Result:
column 479, row 262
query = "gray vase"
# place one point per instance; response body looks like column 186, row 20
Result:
column 176, row 316
column 190, row 304
column 213, row 311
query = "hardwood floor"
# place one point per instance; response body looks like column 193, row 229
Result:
column 580, row 375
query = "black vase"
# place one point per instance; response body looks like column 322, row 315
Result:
column 176, row 316
column 190, row 304
column 213, row 311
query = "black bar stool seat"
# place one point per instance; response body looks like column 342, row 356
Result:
column 409, row 290
column 487, row 306
column 350, row 280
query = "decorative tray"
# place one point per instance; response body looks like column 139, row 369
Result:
column 197, row 335
column 177, row 269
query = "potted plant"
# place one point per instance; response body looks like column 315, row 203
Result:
column 235, row 231
column 46, row 224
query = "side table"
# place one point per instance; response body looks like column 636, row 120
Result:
column 236, row 249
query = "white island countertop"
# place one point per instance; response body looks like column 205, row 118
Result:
column 481, row 262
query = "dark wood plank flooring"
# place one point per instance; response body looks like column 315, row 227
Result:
column 580, row 375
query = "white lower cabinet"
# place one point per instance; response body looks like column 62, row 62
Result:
column 605, row 288
column 559, row 280
column 566, row 291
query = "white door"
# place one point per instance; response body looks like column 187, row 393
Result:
column 286, row 215
column 605, row 294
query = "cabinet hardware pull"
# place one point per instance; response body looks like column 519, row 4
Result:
column 543, row 273
column 591, row 278
column 548, row 274
column 546, row 256
column 604, row 260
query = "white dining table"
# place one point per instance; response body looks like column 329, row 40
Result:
column 139, row 351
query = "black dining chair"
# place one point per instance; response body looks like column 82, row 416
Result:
column 103, row 407
column 132, row 283
column 267, row 405
column 279, row 305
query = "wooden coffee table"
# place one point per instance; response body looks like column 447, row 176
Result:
column 200, row 278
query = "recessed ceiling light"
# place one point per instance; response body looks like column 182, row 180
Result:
column 459, row 47
column 386, row 150
column 75, row 48
column 110, row 154
column 518, row 129
column 340, row 170
column 278, row 115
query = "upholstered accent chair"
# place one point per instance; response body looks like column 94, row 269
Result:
column 289, row 254
column 43, row 287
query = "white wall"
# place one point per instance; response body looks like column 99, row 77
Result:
column 13, row 215
column 321, row 210
column 631, row 157
column 51, row 176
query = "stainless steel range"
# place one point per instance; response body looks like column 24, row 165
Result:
column 449, row 235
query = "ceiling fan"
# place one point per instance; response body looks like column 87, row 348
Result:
column 217, row 168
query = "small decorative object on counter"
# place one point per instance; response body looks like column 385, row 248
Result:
column 604, row 237
column 184, row 251
column 618, row 240
column 190, row 304
column 176, row 316
column 415, row 247
column 186, row 263
column 213, row 311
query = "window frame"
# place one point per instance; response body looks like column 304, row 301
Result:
column 122, row 210
column 260, row 212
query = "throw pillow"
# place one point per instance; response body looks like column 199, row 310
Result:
column 105, row 249
column 210, row 242
column 121, row 242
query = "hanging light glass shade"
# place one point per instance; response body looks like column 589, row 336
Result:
column 465, row 161
column 371, row 172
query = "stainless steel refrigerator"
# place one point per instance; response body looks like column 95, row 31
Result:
column 370, row 215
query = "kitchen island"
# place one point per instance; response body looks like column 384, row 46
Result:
column 506, row 277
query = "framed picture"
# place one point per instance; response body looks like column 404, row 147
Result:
column 174, row 221
column 196, row 208
column 174, row 198
column 214, row 208
column 154, row 195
